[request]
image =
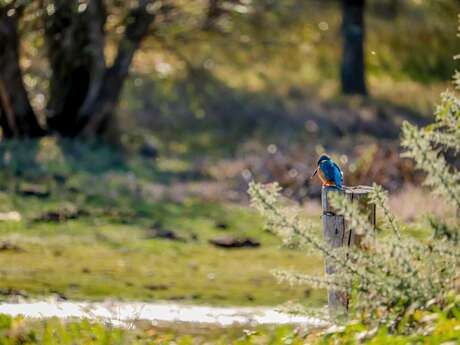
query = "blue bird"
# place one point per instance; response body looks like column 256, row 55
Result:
column 329, row 172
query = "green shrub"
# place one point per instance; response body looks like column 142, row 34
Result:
column 396, row 277
column 432, row 326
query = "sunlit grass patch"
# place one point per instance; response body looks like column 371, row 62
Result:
column 121, row 263
column 17, row 331
column 107, row 249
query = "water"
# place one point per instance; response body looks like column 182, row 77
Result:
column 123, row 313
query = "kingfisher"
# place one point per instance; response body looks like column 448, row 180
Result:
column 329, row 172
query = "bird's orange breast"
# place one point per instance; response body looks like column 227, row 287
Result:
column 324, row 180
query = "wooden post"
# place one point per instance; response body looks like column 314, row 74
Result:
column 338, row 234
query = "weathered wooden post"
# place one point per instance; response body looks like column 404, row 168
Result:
column 337, row 233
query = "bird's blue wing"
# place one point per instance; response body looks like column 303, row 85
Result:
column 332, row 173
column 328, row 170
column 338, row 174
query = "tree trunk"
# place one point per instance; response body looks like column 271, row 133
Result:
column 393, row 9
column 353, row 65
column 100, row 112
column 83, row 91
column 75, row 43
column 17, row 116
column 7, row 130
column 213, row 14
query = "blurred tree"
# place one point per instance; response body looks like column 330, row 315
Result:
column 75, row 55
column 17, row 117
column 213, row 13
column 353, row 65
column 75, row 43
column 89, row 47
column 84, row 91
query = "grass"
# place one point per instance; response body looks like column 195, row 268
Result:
column 54, row 331
column 118, row 262
column 107, row 250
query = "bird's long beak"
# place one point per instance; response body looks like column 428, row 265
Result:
column 314, row 173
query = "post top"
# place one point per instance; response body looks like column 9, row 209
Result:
column 355, row 190
column 359, row 194
column 358, row 189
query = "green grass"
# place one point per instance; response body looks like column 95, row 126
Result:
column 87, row 261
column 108, row 250
column 19, row 331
